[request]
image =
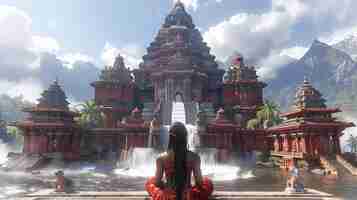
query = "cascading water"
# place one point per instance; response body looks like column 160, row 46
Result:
column 141, row 163
column 4, row 150
column 142, row 160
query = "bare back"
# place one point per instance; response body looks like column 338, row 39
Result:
column 165, row 169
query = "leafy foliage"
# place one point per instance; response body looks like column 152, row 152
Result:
column 15, row 136
column 267, row 116
column 90, row 115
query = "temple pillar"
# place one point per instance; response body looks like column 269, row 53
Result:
column 285, row 143
column 276, row 144
column 109, row 119
column 294, row 147
column 302, row 144
column 25, row 148
column 30, row 145
column 290, row 141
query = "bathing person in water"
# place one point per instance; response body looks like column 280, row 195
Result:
column 174, row 168
column 294, row 183
column 62, row 183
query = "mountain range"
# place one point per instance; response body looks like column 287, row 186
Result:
column 330, row 69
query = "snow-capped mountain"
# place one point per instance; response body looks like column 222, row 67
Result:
column 348, row 45
column 330, row 70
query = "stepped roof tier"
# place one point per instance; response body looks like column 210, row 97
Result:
column 53, row 97
column 117, row 73
column 238, row 72
column 310, row 112
column 309, row 100
column 51, row 111
column 178, row 46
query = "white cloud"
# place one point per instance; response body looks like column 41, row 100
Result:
column 132, row 54
column 15, row 28
column 70, row 59
column 295, row 52
column 28, row 61
column 256, row 35
column 44, row 44
column 338, row 35
column 29, row 88
column 263, row 35
column 269, row 66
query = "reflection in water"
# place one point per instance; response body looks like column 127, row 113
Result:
column 87, row 178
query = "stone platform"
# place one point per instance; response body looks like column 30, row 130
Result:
column 141, row 195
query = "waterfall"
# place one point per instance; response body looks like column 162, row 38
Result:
column 178, row 112
column 141, row 161
column 4, row 150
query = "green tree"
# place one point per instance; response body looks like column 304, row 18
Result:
column 267, row 116
column 253, row 124
column 16, row 136
column 90, row 115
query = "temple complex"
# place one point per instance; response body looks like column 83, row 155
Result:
column 50, row 127
column 178, row 64
column 242, row 90
column 309, row 130
column 178, row 67
column 115, row 92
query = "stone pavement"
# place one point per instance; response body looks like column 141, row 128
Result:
column 141, row 195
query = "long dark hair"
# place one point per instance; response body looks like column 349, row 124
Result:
column 178, row 144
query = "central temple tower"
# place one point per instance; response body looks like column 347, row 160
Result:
column 178, row 65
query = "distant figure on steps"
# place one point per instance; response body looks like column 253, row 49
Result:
column 63, row 184
column 294, row 182
column 176, row 166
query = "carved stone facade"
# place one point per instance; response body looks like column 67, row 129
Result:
column 50, row 127
column 310, row 130
column 242, row 90
column 178, row 62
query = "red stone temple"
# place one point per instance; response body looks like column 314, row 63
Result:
column 50, row 127
column 178, row 67
column 309, row 130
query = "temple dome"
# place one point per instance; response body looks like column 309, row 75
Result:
column 53, row 97
column 116, row 73
column 179, row 17
column 238, row 71
column 308, row 97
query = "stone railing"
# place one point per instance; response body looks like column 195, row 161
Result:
column 347, row 165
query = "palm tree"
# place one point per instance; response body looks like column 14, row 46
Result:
column 268, row 114
column 90, row 115
column 253, row 124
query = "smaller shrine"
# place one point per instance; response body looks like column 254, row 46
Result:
column 242, row 89
column 309, row 131
column 50, row 127
column 115, row 92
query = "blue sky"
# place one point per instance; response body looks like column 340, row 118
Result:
column 81, row 36
column 85, row 26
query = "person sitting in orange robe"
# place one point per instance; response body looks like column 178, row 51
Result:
column 176, row 166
